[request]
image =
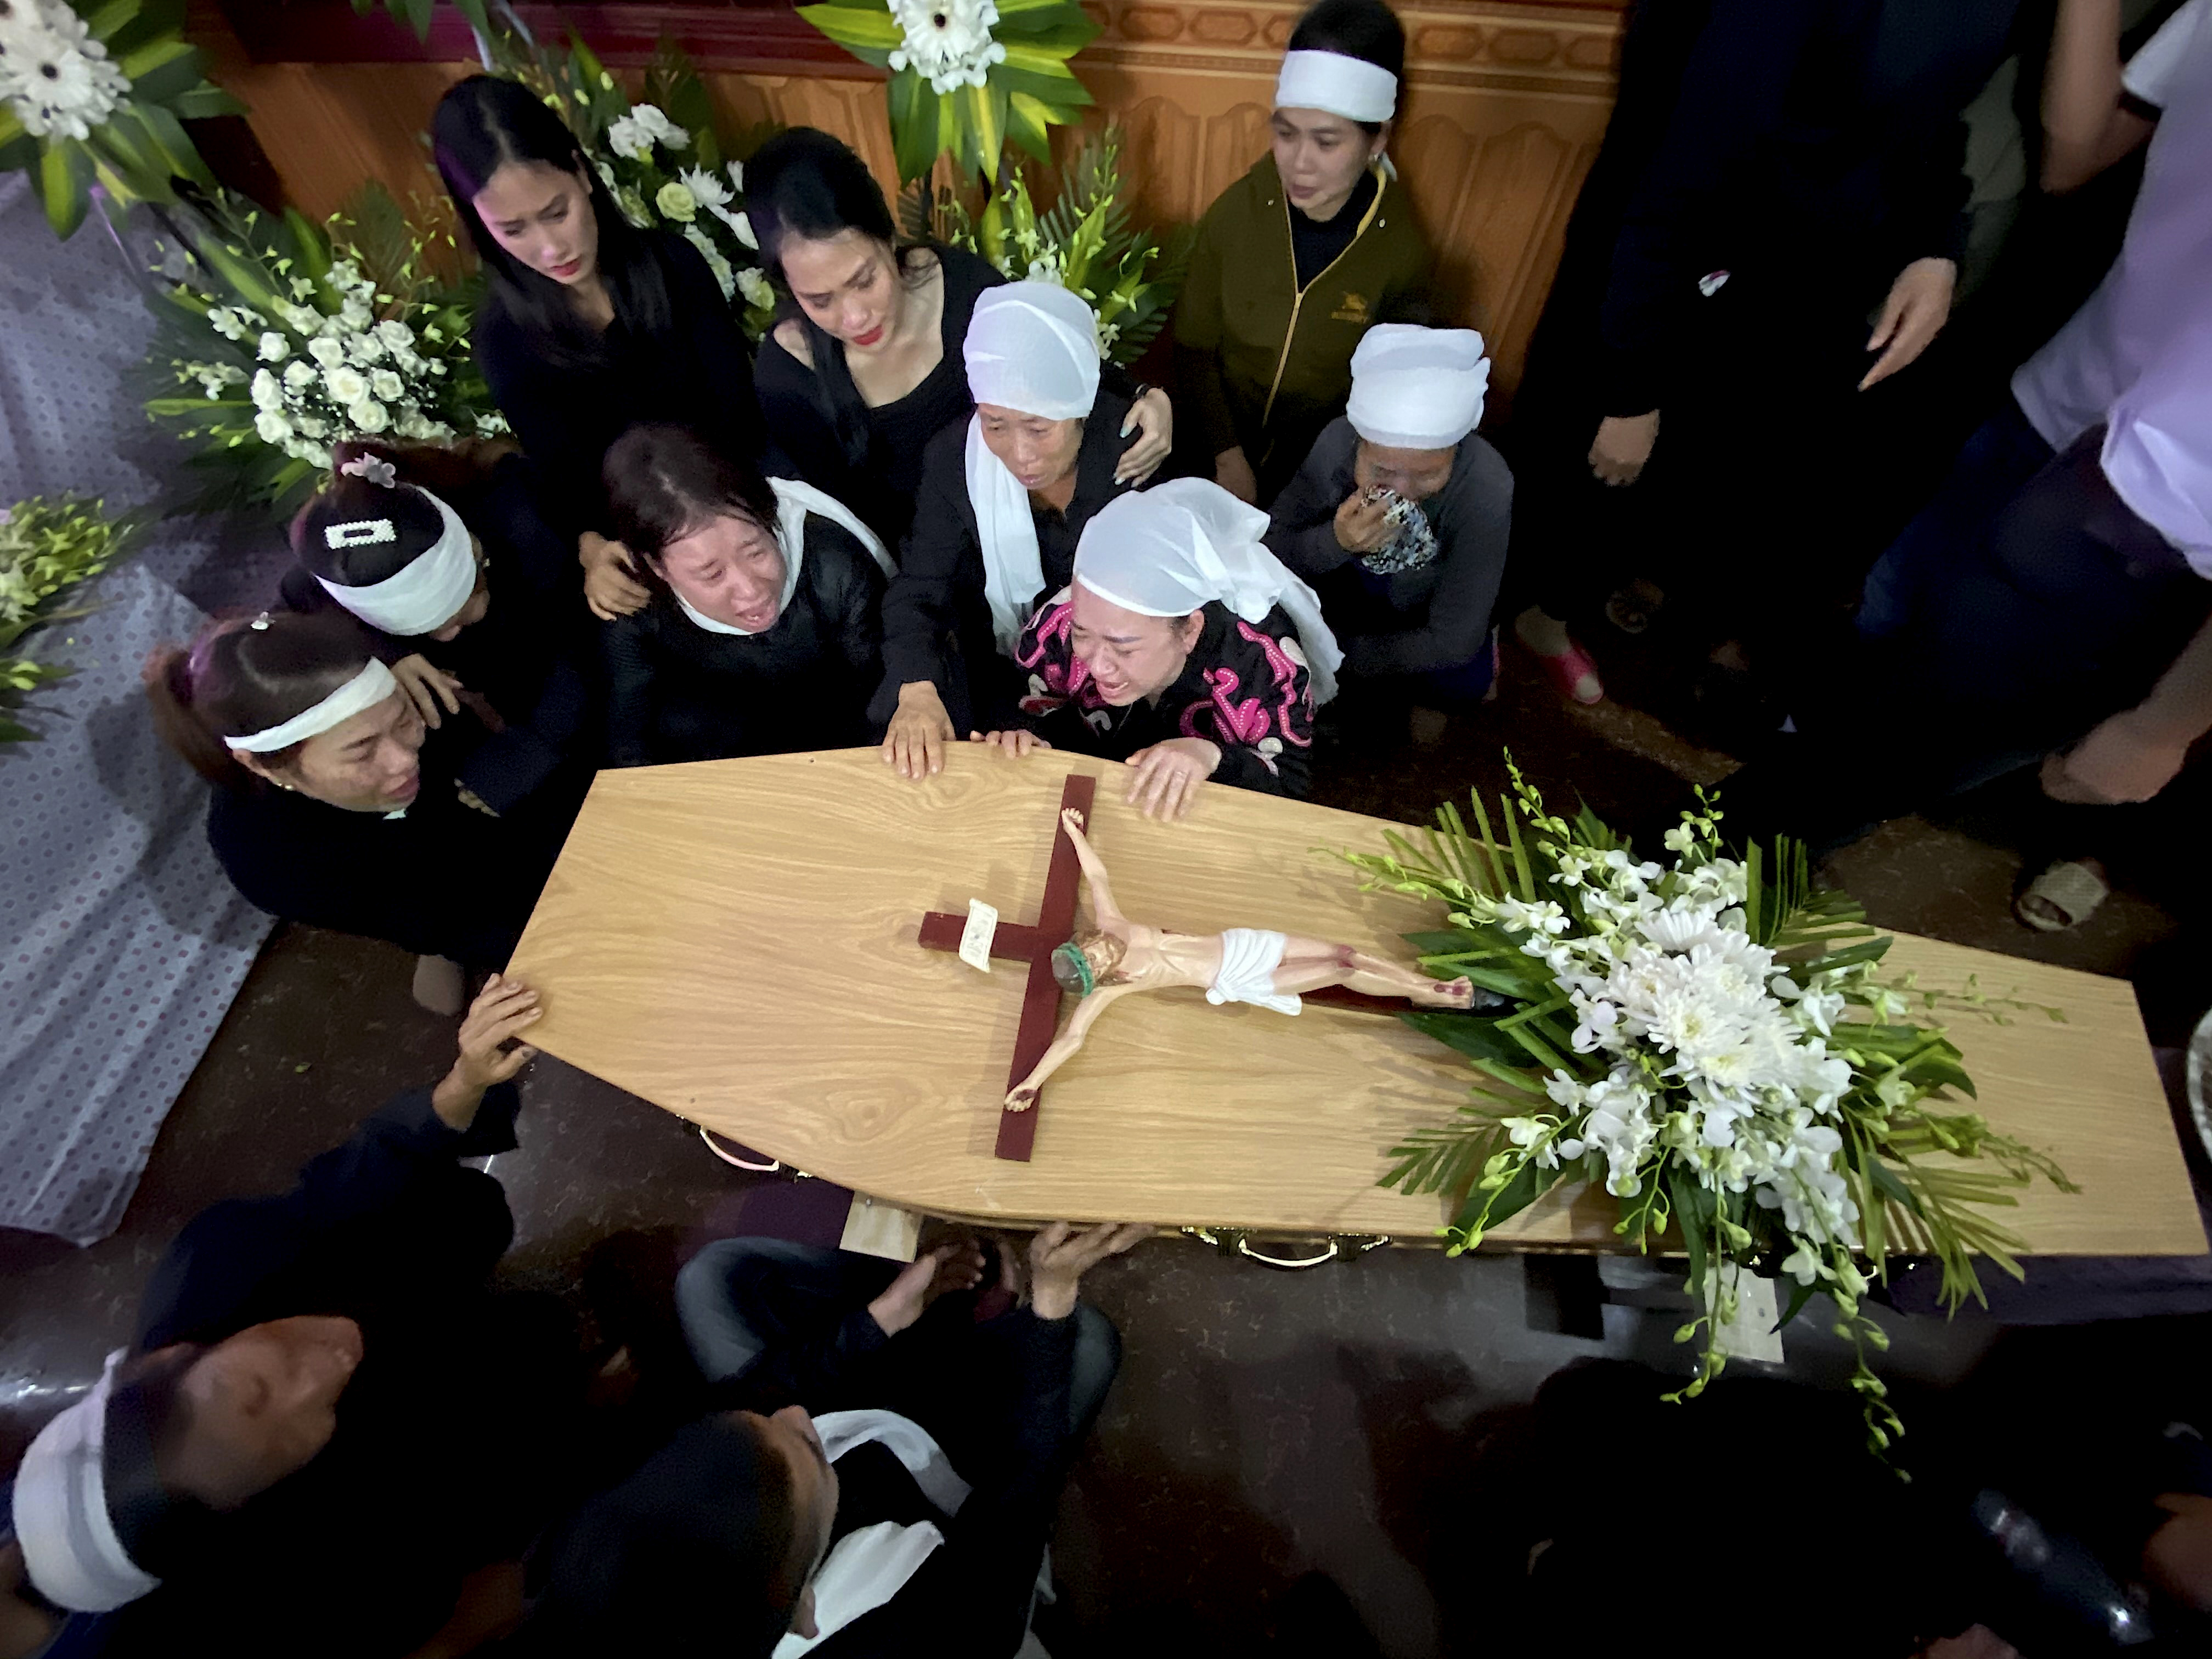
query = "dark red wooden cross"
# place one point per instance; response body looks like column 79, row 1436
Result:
column 941, row 931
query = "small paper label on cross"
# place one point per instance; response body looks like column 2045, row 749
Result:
column 975, row 938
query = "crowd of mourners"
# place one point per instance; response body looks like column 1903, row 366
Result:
column 927, row 511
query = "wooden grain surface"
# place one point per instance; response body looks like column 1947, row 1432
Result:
column 736, row 942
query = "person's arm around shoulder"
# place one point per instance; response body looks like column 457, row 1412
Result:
column 2086, row 125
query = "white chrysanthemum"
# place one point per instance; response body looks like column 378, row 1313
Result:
column 54, row 76
column 755, row 286
column 706, row 190
column 948, row 42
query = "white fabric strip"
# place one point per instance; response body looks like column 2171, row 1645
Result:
column 423, row 595
column 1168, row 550
column 871, row 1566
column 793, row 501
column 1417, row 388
column 364, row 690
column 1350, row 86
column 70, row 1545
column 1013, row 568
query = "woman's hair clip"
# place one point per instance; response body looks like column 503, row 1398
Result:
column 260, row 624
column 359, row 533
column 374, row 468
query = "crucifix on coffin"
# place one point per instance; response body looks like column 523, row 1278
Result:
column 1119, row 956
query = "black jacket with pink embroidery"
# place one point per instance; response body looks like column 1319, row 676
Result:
column 1244, row 688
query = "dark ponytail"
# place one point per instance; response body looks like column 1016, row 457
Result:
column 483, row 124
column 1366, row 29
column 244, row 675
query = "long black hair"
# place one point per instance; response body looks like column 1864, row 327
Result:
column 804, row 183
column 483, row 123
column 1366, row 29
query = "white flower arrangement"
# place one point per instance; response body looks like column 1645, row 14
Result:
column 1706, row 1040
column 948, row 42
column 54, row 76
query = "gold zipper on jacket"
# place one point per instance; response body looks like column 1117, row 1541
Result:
column 1298, row 295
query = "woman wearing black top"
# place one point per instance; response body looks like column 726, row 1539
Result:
column 761, row 637
column 857, row 384
column 590, row 326
column 332, row 809
column 380, row 540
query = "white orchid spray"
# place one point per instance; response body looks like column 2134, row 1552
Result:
column 1703, row 1038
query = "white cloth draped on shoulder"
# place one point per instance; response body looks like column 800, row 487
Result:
column 794, row 499
column 1178, row 545
column 1031, row 347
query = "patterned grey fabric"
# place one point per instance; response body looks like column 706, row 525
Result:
column 122, row 942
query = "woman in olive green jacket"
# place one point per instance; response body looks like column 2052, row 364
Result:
column 1298, row 258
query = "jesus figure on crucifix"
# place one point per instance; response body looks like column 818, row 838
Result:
column 1103, row 964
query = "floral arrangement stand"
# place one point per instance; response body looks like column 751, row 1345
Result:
column 771, row 989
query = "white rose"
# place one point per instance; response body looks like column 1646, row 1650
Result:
column 365, row 349
column 387, row 386
column 368, row 416
column 345, row 386
column 396, row 335
column 313, row 427
column 327, row 352
column 317, row 454
column 298, row 376
column 273, row 428
column 274, row 348
column 677, row 202
column 267, row 393
column 356, row 315
column 755, row 286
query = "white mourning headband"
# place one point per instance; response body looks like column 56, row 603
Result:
column 71, row 1548
column 364, row 690
column 1350, row 86
column 422, row 596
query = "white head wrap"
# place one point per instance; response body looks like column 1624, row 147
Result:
column 71, row 1548
column 1034, row 347
column 793, row 501
column 1417, row 388
column 1350, row 86
column 364, row 690
column 424, row 595
column 1170, row 549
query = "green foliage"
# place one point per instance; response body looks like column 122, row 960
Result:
column 136, row 151
column 48, row 547
column 1084, row 241
column 416, row 14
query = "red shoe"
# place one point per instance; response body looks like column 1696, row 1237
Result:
column 1575, row 674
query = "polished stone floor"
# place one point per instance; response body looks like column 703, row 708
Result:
column 1277, row 1442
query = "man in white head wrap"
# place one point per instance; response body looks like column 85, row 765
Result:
column 1400, row 513
column 1003, row 500
column 1182, row 647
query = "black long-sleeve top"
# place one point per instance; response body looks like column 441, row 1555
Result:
column 677, row 692
column 698, row 374
column 975, row 1588
column 1811, row 143
column 937, row 623
column 444, row 880
column 525, row 658
column 1244, row 688
column 1433, row 617
column 437, row 1463
column 872, row 458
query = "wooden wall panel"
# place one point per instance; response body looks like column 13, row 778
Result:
column 1502, row 112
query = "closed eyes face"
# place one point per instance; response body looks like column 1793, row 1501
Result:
column 848, row 284
column 729, row 569
column 541, row 215
column 1038, row 451
column 1130, row 655
column 1416, row 474
column 1320, row 157
column 369, row 763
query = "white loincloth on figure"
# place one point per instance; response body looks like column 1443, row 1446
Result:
column 1248, row 960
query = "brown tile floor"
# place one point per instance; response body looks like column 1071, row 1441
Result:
column 1265, row 1426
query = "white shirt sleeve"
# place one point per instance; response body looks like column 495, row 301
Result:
column 2163, row 59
